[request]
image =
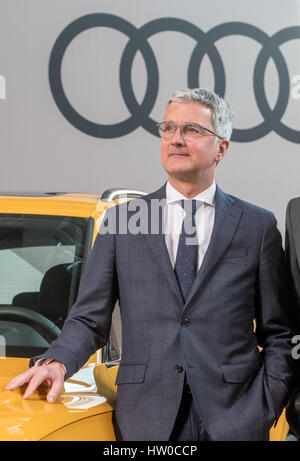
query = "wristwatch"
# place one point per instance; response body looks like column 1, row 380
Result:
column 44, row 362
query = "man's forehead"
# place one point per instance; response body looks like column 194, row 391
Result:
column 189, row 111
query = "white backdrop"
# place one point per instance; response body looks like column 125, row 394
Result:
column 42, row 150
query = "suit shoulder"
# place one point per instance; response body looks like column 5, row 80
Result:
column 294, row 205
column 253, row 209
column 293, row 214
column 144, row 200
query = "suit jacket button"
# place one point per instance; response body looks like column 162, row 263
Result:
column 185, row 323
column 179, row 368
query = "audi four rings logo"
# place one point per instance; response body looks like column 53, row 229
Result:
column 205, row 45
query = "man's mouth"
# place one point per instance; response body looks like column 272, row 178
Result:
column 178, row 154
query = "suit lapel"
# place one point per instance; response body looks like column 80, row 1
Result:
column 227, row 218
column 158, row 246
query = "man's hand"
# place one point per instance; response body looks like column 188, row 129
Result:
column 52, row 375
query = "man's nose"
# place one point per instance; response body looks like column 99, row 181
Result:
column 178, row 137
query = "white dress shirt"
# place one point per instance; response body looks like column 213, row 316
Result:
column 174, row 215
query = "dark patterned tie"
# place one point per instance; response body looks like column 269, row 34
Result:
column 187, row 252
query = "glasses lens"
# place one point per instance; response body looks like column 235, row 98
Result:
column 192, row 131
column 166, row 129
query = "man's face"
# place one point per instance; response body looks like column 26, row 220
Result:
column 189, row 160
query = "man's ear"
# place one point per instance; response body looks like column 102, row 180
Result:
column 223, row 145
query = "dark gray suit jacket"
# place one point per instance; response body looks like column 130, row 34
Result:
column 292, row 247
column 239, row 391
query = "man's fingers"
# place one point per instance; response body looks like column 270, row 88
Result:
column 55, row 390
column 48, row 382
column 19, row 380
column 35, row 381
column 52, row 375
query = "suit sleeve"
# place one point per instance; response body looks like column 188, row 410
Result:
column 88, row 325
column 273, row 305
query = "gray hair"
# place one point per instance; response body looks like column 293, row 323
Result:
column 221, row 112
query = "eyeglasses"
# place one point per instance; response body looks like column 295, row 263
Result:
column 190, row 131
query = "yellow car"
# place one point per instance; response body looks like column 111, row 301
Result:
column 45, row 240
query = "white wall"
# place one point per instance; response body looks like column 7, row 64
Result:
column 41, row 150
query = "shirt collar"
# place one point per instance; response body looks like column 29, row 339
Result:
column 207, row 196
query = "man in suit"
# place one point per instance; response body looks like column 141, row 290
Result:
column 292, row 249
column 191, row 368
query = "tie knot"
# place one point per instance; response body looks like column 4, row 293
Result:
column 190, row 206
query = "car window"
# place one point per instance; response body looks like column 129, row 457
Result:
column 41, row 261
